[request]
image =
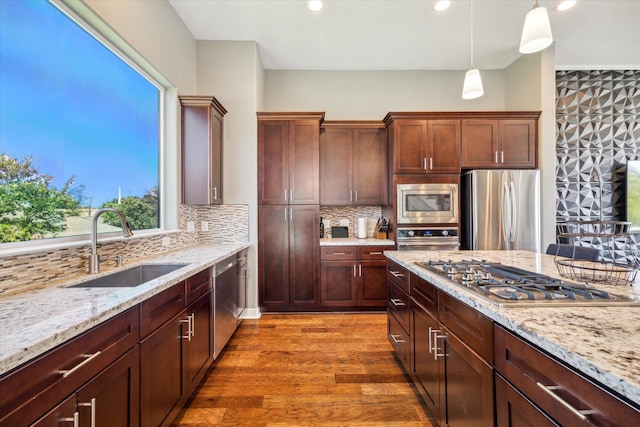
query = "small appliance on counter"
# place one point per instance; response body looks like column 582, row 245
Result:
column 339, row 231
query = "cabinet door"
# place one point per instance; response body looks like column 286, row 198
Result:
column 518, row 143
column 273, row 162
column 515, row 410
column 111, row 399
column 216, row 158
column 443, row 146
column 469, row 384
column 479, row 143
column 63, row 414
column 370, row 180
column 198, row 349
column 409, row 146
column 336, row 167
column 304, row 162
column 304, row 256
column 338, row 283
column 426, row 368
column 273, row 255
column 372, row 284
column 161, row 373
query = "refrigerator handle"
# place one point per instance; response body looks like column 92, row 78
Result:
column 514, row 211
column 506, row 211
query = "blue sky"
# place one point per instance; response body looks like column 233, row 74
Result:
column 72, row 105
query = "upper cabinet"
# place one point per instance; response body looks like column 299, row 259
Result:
column 288, row 158
column 504, row 140
column 420, row 143
column 353, row 163
column 201, row 150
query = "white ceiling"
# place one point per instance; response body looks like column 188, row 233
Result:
column 410, row 35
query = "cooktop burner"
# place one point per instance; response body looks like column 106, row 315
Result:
column 507, row 285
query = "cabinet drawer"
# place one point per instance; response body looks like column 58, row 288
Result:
column 425, row 293
column 400, row 341
column 514, row 409
column 372, row 252
column 39, row 385
column 198, row 285
column 160, row 308
column 399, row 305
column 547, row 383
column 471, row 326
column 337, row 253
column 398, row 275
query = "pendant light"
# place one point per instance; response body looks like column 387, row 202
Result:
column 472, row 87
column 536, row 32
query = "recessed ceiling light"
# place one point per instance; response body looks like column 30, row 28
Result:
column 315, row 5
column 442, row 5
column 565, row 4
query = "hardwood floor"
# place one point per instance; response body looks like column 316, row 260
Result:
column 307, row 370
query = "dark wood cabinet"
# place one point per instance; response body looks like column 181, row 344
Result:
column 508, row 142
column 289, row 158
column 199, row 349
column 513, row 409
column 353, row 164
column 419, row 143
column 353, row 277
column 202, row 149
column 554, row 389
column 289, row 257
column 452, row 372
column 60, row 374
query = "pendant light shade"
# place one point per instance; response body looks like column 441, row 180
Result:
column 536, row 33
column 472, row 87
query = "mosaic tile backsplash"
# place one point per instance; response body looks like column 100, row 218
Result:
column 597, row 128
column 48, row 268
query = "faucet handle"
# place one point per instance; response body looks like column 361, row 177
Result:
column 119, row 259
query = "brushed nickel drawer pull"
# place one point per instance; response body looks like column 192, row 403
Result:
column 396, row 339
column 92, row 405
column 75, row 419
column 338, row 253
column 396, row 274
column 88, row 358
column 549, row 389
column 397, row 302
column 375, row 253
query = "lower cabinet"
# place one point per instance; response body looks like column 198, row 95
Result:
column 353, row 277
column 447, row 364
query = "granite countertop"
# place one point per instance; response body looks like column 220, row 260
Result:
column 35, row 322
column 353, row 241
column 601, row 342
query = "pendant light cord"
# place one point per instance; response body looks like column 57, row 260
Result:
column 471, row 27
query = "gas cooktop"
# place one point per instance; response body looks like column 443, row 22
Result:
column 506, row 285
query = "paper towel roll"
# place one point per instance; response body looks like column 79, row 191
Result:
column 362, row 228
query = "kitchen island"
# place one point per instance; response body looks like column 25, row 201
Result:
column 600, row 343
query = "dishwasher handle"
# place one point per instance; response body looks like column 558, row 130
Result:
column 224, row 265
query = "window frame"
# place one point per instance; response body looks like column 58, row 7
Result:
column 84, row 16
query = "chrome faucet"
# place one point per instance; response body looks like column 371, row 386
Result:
column 94, row 258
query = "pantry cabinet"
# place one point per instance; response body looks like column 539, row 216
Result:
column 353, row 164
column 202, row 149
column 421, row 144
column 353, row 277
column 500, row 142
column 288, row 158
column 289, row 257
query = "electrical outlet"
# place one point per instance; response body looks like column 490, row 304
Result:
column 191, row 226
column 344, row 222
column 204, row 225
column 166, row 241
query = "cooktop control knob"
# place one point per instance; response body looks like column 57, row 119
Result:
column 445, row 232
column 411, row 233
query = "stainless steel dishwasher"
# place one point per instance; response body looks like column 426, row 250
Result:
column 225, row 298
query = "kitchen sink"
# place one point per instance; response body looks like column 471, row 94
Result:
column 130, row 277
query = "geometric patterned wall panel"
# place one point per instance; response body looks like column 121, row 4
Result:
column 597, row 127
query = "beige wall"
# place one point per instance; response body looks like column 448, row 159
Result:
column 370, row 95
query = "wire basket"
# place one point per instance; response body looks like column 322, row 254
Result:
column 601, row 229
column 597, row 272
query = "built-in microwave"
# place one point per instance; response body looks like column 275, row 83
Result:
column 430, row 203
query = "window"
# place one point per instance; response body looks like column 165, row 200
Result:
column 80, row 129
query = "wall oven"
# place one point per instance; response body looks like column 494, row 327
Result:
column 427, row 203
column 428, row 239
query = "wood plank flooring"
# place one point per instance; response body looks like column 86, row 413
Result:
column 307, row 370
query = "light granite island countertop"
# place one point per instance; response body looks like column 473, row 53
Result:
column 32, row 323
column 601, row 342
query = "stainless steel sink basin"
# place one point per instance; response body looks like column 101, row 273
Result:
column 130, row 277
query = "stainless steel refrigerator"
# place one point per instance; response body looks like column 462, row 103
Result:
column 500, row 209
